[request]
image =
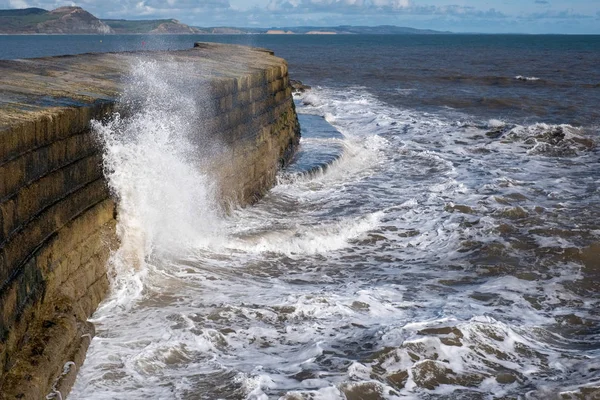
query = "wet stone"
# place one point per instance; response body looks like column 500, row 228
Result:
column 535, row 301
column 528, row 276
column 590, row 256
column 505, row 229
column 409, row 233
column 587, row 143
column 363, row 391
column 430, row 374
column 517, row 197
column 480, row 150
column 298, row 86
column 373, row 238
column 383, row 354
column 570, row 319
column 492, row 333
column 469, row 245
column 513, row 213
column 450, row 336
column 466, row 280
column 304, row 375
column 529, row 352
column 359, row 306
column 451, row 341
column 502, row 200
column 495, row 133
column 398, row 379
column 284, row 309
column 493, row 351
column 459, row 208
column 485, row 297
column 586, row 393
column 293, row 396
column 469, row 224
column 506, row 378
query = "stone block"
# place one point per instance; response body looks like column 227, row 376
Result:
column 258, row 79
column 37, row 232
column 35, row 197
column 225, row 104
column 242, row 83
column 243, row 98
column 276, row 86
column 221, row 87
column 258, row 93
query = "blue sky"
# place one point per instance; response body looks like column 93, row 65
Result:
column 502, row 16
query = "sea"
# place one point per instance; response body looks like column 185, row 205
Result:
column 436, row 237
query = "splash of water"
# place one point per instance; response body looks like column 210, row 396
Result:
column 156, row 154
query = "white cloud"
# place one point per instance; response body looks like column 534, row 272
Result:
column 18, row 4
column 338, row 6
column 455, row 15
column 396, row 4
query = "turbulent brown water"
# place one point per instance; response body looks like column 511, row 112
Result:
column 438, row 236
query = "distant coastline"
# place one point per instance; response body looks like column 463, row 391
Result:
column 75, row 20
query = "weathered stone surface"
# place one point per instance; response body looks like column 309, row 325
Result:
column 57, row 220
column 298, row 87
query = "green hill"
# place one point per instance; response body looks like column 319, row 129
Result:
column 24, row 20
column 126, row 26
column 22, row 12
column 70, row 20
column 60, row 20
column 150, row 26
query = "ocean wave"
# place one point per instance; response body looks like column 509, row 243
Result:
column 302, row 240
column 527, row 78
column 415, row 266
column 552, row 140
column 491, row 80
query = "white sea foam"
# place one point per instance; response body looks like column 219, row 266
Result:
column 496, row 123
column 300, row 240
column 526, row 78
column 405, row 91
column 389, row 274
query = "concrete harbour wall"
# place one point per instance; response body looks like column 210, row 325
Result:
column 57, row 216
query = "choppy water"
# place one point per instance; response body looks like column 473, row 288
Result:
column 450, row 249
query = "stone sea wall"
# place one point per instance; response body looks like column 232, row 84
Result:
column 57, row 216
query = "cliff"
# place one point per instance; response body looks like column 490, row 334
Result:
column 57, row 217
column 157, row 26
column 74, row 20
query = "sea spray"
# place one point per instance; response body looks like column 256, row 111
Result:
column 300, row 240
column 156, row 154
column 387, row 276
column 465, row 288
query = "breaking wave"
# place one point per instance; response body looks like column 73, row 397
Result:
column 527, row 78
column 432, row 258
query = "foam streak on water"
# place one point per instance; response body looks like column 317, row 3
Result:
column 436, row 258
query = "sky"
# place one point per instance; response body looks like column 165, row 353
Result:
column 485, row 16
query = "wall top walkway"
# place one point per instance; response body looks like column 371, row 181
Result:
column 30, row 88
